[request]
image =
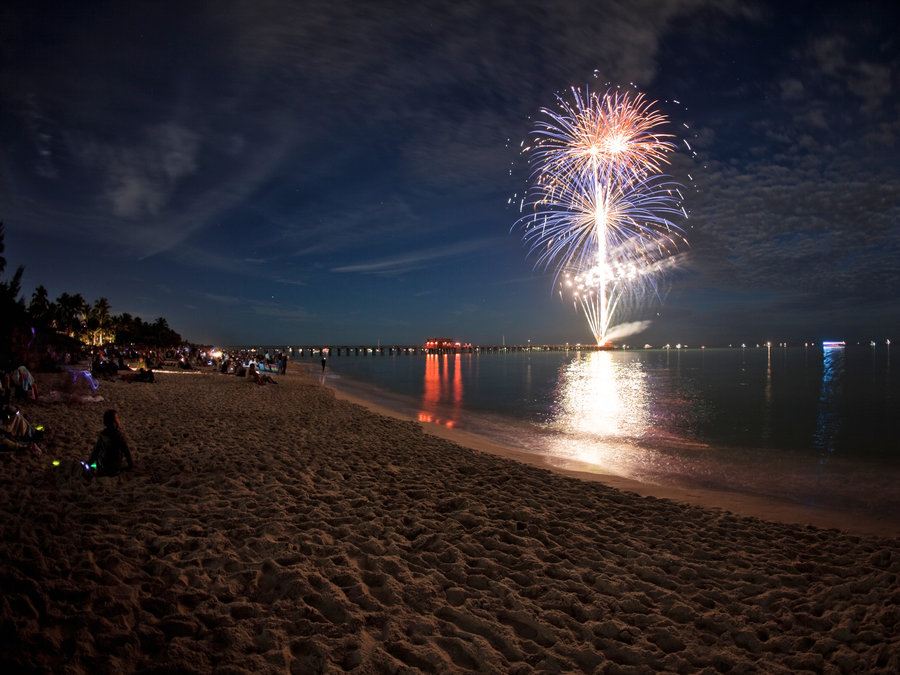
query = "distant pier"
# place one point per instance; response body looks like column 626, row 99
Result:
column 312, row 351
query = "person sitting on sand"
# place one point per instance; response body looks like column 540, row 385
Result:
column 15, row 425
column 111, row 447
column 256, row 377
column 23, row 381
column 103, row 367
column 17, row 434
column 143, row 375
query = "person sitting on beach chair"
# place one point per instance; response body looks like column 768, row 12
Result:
column 111, row 447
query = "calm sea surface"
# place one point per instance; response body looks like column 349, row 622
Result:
column 807, row 425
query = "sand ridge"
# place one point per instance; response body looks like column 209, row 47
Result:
column 281, row 529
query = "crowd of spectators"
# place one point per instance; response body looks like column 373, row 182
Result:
column 255, row 365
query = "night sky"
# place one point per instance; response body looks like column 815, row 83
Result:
column 303, row 172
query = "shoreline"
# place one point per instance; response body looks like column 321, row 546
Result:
column 765, row 508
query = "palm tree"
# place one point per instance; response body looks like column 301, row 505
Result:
column 12, row 309
column 9, row 290
column 163, row 335
column 70, row 311
column 98, row 320
column 123, row 326
column 40, row 308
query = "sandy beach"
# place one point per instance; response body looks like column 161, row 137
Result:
column 284, row 529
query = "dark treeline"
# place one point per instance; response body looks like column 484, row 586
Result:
column 40, row 332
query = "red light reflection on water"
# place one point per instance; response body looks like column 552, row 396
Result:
column 443, row 390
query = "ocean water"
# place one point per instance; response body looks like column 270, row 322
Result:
column 807, row 425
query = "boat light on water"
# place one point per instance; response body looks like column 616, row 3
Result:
column 832, row 344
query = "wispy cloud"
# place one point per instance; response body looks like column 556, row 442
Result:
column 414, row 260
column 140, row 178
column 223, row 299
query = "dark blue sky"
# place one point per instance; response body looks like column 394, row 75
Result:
column 303, row 172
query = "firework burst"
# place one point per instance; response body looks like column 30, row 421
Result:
column 614, row 132
column 601, row 214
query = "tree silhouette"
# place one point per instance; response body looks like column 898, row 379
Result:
column 9, row 290
column 41, row 309
column 25, row 329
column 98, row 320
column 12, row 309
column 70, row 312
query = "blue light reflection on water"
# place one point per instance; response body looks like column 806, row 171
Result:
column 829, row 421
column 794, row 423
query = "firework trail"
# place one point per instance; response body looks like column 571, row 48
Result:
column 600, row 210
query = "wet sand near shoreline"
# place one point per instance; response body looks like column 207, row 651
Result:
column 284, row 529
column 741, row 504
